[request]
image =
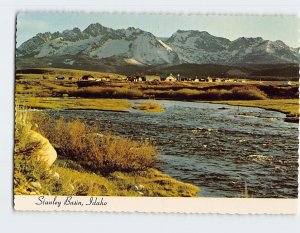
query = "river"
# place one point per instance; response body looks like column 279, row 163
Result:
column 220, row 148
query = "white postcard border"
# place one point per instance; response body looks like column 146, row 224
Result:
column 156, row 204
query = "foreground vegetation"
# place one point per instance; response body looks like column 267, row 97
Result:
column 90, row 162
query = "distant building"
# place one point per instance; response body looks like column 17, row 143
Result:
column 208, row 79
column 196, row 80
column 88, row 77
column 171, row 78
column 287, row 83
column 228, row 80
column 241, row 80
column 217, row 80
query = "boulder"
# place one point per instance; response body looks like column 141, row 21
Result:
column 44, row 151
column 36, row 185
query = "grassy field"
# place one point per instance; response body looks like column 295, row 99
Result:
column 44, row 83
column 287, row 106
column 52, row 73
column 150, row 182
column 38, row 88
column 75, row 103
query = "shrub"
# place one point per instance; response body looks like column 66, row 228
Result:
column 107, row 92
column 103, row 153
column 248, row 93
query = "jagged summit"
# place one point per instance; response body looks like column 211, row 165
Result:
column 141, row 47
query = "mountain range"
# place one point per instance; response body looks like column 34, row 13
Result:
column 105, row 47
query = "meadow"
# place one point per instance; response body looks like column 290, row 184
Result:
column 39, row 88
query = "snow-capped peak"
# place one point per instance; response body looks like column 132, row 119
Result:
column 136, row 46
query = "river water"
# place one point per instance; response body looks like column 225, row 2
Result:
column 219, row 148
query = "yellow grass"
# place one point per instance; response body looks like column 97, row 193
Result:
column 288, row 106
column 150, row 182
column 75, row 103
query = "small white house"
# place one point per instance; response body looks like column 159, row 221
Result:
column 196, row 80
column 209, row 79
column 287, row 83
column 171, row 78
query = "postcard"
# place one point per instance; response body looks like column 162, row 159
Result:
column 120, row 112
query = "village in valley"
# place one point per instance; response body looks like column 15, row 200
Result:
column 155, row 78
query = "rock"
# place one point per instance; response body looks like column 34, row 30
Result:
column 45, row 150
column 36, row 185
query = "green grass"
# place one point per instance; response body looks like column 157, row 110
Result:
column 150, row 182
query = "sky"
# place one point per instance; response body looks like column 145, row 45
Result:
column 285, row 28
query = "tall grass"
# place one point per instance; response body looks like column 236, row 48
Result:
column 98, row 152
column 235, row 93
column 106, row 92
column 248, row 93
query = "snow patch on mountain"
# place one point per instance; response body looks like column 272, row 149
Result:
column 167, row 47
column 140, row 47
column 133, row 61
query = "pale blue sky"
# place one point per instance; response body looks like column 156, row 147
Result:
column 285, row 28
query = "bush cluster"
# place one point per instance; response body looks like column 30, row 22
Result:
column 100, row 152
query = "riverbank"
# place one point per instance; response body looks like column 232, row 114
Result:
column 290, row 107
column 58, row 103
column 85, row 161
column 68, row 103
column 80, row 182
